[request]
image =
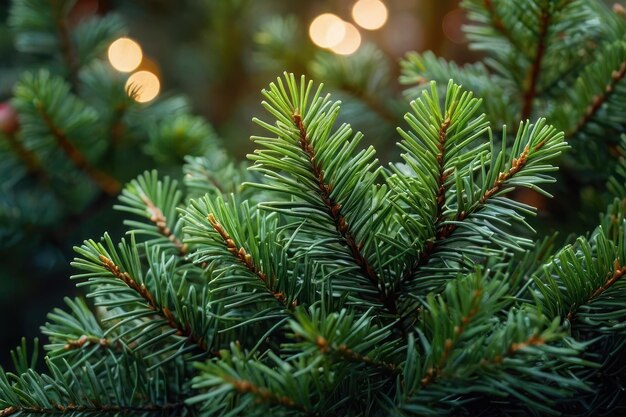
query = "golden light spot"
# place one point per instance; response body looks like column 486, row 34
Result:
column 143, row 86
column 327, row 30
column 125, row 54
column 369, row 14
column 350, row 42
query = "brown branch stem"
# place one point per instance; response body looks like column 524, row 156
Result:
column 535, row 69
column 67, row 49
column 243, row 386
column 599, row 100
column 103, row 180
column 158, row 218
column 334, row 211
column 72, row 408
column 449, row 344
column 182, row 330
column 245, row 258
column 618, row 272
column 349, row 355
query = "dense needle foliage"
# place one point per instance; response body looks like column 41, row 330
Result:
column 320, row 282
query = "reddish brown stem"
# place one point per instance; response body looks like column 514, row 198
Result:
column 67, row 49
column 449, row 344
column 599, row 100
column 182, row 330
column 535, row 69
column 245, row 258
column 158, row 218
column 106, row 183
column 72, row 408
column 334, row 211
column 618, row 272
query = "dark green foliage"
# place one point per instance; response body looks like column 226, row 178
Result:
column 341, row 287
column 322, row 283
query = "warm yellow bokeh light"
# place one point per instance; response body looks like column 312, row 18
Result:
column 369, row 14
column 143, row 86
column 350, row 42
column 327, row 30
column 125, row 54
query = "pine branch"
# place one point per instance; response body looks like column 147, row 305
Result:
column 350, row 355
column 497, row 23
column 100, row 409
column 618, row 272
column 27, row 156
column 598, row 101
column 142, row 290
column 158, row 218
column 334, row 210
column 246, row 259
column 449, row 344
column 67, row 49
column 264, row 395
column 103, row 180
column 535, row 69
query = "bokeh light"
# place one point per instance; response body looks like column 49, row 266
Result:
column 452, row 25
column 327, row 30
column 369, row 14
column 125, row 54
column 350, row 42
column 143, row 86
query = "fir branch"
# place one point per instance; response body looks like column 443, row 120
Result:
column 246, row 259
column 535, row 70
column 103, row 180
column 350, row 355
column 618, row 272
column 73, row 408
column 67, row 49
column 88, row 340
column 27, row 156
column 334, row 210
column 263, row 395
column 514, row 348
column 158, row 218
column 598, row 100
column 435, row 372
column 142, row 290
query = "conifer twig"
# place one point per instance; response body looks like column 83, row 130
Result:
column 618, row 272
column 158, row 218
column 351, row 356
column 599, row 100
column 334, row 211
column 535, row 69
column 73, row 408
column 243, row 386
column 533, row 340
column 246, row 259
column 27, row 156
column 106, row 183
column 497, row 23
column 449, row 343
column 183, row 330
column 67, row 49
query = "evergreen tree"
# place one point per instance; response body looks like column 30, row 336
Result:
column 320, row 282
